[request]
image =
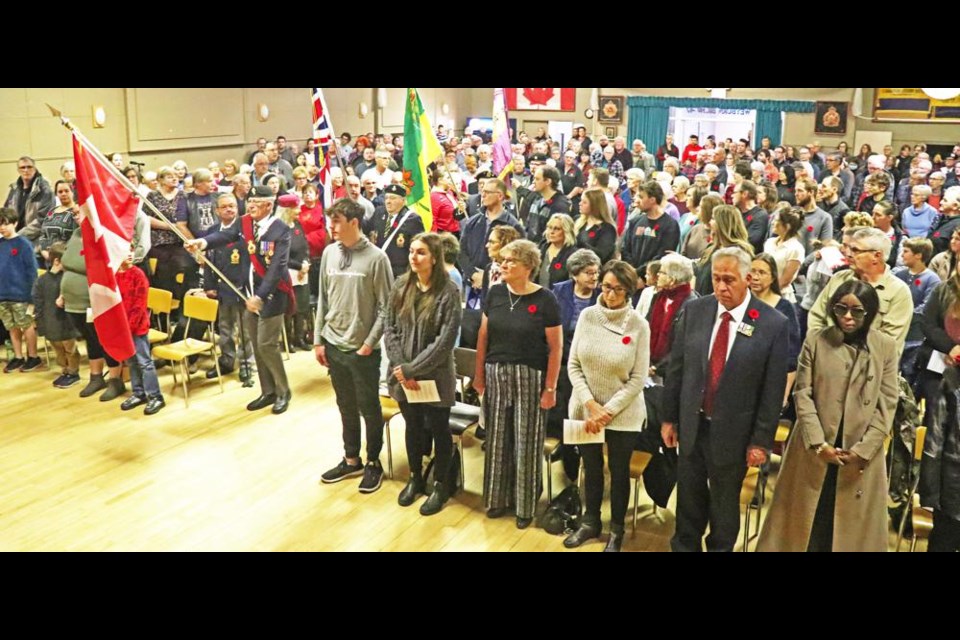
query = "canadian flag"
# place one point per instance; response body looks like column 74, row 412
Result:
column 110, row 212
column 541, row 99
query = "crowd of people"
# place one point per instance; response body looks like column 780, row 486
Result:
column 598, row 282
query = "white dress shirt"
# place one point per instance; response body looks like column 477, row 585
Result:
column 737, row 313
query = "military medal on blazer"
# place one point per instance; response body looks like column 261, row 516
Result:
column 267, row 251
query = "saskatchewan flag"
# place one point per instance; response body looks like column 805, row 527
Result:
column 420, row 148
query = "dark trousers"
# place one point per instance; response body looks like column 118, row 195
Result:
column 173, row 259
column 356, row 382
column 555, row 418
column 94, row 349
column 928, row 384
column 620, row 446
column 427, row 425
column 699, row 503
column 945, row 536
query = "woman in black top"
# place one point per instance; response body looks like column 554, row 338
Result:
column 786, row 184
column 58, row 224
column 423, row 318
column 518, row 363
column 558, row 245
column 595, row 228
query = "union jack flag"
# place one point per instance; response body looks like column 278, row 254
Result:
column 322, row 134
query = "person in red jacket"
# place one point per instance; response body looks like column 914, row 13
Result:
column 444, row 203
column 314, row 225
column 691, row 150
column 134, row 287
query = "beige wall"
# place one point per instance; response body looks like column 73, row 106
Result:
column 158, row 126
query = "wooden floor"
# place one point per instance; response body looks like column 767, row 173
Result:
column 80, row 475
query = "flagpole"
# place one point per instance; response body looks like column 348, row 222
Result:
column 130, row 186
column 341, row 157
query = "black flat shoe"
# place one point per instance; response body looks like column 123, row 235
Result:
column 498, row 512
column 132, row 403
column 586, row 531
column 153, row 406
column 212, row 373
column 282, row 403
column 523, row 523
column 262, row 402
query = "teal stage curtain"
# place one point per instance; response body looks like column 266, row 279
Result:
column 649, row 115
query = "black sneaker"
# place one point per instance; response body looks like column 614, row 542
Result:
column 59, row 380
column 341, row 472
column 67, row 380
column 30, row 364
column 14, row 365
column 372, row 477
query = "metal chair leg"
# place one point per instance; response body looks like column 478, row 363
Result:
column 186, row 376
column 546, row 464
column 636, row 502
column 460, row 449
column 386, row 429
column 286, row 347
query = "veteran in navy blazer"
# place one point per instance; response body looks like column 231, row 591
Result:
column 266, row 239
column 721, row 404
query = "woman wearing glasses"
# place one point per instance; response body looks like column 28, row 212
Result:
column 832, row 490
column 609, row 362
column 518, row 362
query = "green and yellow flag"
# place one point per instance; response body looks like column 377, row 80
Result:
column 420, row 148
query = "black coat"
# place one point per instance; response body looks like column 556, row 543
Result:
column 558, row 266
column 398, row 249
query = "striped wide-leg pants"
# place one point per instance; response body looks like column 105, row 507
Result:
column 516, row 426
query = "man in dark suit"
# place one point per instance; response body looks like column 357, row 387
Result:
column 729, row 366
column 394, row 227
column 270, row 292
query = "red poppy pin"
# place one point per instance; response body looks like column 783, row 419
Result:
column 936, row 234
column 917, row 282
column 296, row 232
column 693, row 222
column 810, row 229
column 532, row 308
column 592, row 234
column 14, row 251
column 656, row 228
column 753, row 314
column 749, row 218
column 557, row 266
column 626, row 340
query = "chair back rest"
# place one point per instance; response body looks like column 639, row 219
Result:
column 159, row 300
column 153, row 265
column 465, row 361
column 197, row 308
column 918, row 445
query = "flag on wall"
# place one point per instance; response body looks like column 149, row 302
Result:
column 420, row 148
column 541, row 99
column 322, row 133
column 110, row 212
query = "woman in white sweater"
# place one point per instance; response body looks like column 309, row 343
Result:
column 609, row 361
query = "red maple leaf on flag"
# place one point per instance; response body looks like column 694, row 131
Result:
column 538, row 96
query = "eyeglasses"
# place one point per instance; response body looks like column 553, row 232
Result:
column 490, row 193
column 756, row 273
column 840, row 310
column 607, row 289
column 856, row 251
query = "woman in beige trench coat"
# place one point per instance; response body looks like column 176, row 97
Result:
column 832, row 489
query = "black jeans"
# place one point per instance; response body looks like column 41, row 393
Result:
column 620, row 446
column 427, row 426
column 356, row 381
column 945, row 535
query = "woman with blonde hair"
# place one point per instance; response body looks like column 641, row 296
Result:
column 519, row 349
column 559, row 243
column 726, row 230
column 695, row 226
column 595, row 229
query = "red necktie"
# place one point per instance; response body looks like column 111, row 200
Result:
column 718, row 358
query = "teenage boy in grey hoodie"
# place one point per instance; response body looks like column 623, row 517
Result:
column 355, row 282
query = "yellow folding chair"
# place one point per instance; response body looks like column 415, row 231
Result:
column 202, row 310
column 159, row 301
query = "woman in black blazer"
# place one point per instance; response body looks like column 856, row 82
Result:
column 559, row 243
